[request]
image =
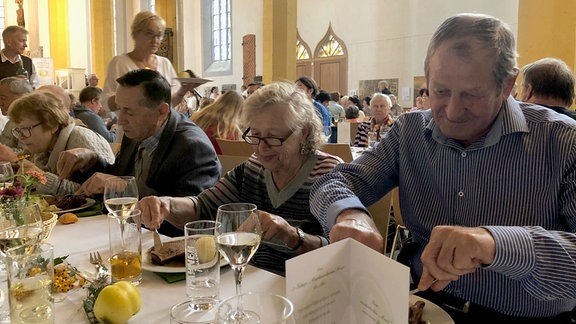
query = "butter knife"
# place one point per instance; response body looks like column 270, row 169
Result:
column 157, row 241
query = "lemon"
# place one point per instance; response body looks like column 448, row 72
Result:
column 206, row 249
column 117, row 303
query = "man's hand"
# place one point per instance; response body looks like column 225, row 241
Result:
column 94, row 184
column 73, row 160
column 454, row 251
column 154, row 210
column 359, row 226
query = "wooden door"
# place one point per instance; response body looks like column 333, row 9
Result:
column 331, row 74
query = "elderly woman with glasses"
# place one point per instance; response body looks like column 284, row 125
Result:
column 286, row 136
column 44, row 126
column 147, row 31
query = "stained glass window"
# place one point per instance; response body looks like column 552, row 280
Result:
column 330, row 48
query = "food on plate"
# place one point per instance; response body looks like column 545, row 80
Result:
column 171, row 252
column 116, row 303
column 66, row 202
column 68, row 218
column 415, row 313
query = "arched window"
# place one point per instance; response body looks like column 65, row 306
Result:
column 330, row 45
column 217, row 27
column 302, row 49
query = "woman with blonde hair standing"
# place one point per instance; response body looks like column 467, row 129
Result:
column 221, row 119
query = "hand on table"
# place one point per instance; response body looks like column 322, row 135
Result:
column 453, row 251
column 73, row 160
column 154, row 210
column 94, row 184
column 276, row 229
column 7, row 154
column 359, row 226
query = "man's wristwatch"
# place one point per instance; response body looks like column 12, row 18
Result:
column 301, row 237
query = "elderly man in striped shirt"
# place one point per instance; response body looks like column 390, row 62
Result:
column 487, row 186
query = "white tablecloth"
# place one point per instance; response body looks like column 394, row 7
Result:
column 90, row 234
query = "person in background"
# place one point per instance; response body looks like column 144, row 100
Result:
column 334, row 108
column 93, row 80
column 310, row 88
column 205, row 102
column 166, row 152
column 396, row 110
column 366, row 106
column 87, row 112
column 549, row 82
column 147, row 31
column 253, row 86
column 352, row 114
column 214, row 93
column 43, row 125
column 11, row 88
column 324, row 98
column 380, row 122
column 495, row 231
column 243, row 89
column 221, row 119
column 286, row 136
column 356, row 102
column 383, row 87
column 12, row 60
column 425, row 98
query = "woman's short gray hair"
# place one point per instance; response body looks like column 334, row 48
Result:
column 301, row 111
column 492, row 31
column 381, row 95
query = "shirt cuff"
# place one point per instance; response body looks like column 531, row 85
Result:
column 341, row 205
column 515, row 254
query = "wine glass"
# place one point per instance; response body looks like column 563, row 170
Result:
column 120, row 195
column 6, row 175
column 238, row 238
column 20, row 224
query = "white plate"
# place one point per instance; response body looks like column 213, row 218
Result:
column 148, row 265
column 89, row 203
column 193, row 80
column 432, row 312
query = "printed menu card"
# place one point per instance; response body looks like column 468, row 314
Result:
column 347, row 282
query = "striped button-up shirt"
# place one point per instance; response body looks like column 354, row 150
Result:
column 518, row 181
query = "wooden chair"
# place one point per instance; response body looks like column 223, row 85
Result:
column 396, row 204
column 380, row 212
column 236, row 148
column 115, row 148
column 338, row 149
column 229, row 162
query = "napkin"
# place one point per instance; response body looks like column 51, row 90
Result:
column 94, row 210
column 172, row 277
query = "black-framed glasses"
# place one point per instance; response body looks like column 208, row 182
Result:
column 23, row 132
column 270, row 141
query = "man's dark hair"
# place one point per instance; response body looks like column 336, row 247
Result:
column 89, row 93
column 155, row 88
column 352, row 112
column 323, row 96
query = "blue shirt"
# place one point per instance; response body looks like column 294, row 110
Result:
column 518, row 181
column 324, row 115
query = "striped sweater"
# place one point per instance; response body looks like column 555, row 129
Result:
column 248, row 183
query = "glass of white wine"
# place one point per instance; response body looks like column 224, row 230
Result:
column 238, row 238
column 6, row 175
column 120, row 195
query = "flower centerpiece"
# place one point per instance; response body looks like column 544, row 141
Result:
column 23, row 184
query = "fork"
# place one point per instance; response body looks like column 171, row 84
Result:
column 96, row 260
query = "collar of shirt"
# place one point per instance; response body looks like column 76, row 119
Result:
column 510, row 120
column 151, row 143
column 3, row 57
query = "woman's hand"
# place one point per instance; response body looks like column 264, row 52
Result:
column 94, row 184
column 276, row 229
column 6, row 154
column 154, row 210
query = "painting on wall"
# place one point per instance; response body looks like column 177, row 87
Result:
column 419, row 83
column 369, row 87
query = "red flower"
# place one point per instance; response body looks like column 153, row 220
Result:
column 12, row 192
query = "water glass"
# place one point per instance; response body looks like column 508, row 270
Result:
column 265, row 308
column 202, row 260
column 126, row 246
column 372, row 137
column 30, row 281
column 203, row 311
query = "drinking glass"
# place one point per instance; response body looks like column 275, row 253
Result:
column 30, row 280
column 203, row 311
column 126, row 246
column 202, row 260
column 238, row 238
column 372, row 137
column 271, row 309
column 120, row 194
column 6, row 175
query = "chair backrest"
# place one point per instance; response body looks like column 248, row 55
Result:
column 380, row 212
column 237, row 148
column 396, row 204
column 229, row 162
column 338, row 149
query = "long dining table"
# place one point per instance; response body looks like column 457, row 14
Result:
column 90, row 234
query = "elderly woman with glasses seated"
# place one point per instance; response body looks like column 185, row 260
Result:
column 286, row 134
column 44, row 126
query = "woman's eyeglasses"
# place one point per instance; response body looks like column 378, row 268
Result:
column 151, row 35
column 23, row 132
column 270, row 141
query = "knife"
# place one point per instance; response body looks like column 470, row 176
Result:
column 157, row 241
